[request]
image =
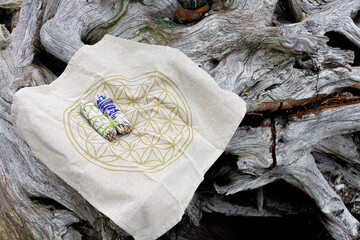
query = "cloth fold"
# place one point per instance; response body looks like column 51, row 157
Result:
column 182, row 122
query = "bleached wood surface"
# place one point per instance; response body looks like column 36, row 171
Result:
column 302, row 93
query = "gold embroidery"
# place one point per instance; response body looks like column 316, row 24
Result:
column 159, row 113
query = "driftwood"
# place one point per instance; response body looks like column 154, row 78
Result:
column 295, row 63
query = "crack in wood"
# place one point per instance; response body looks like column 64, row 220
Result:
column 273, row 145
column 48, row 203
column 317, row 104
column 329, row 102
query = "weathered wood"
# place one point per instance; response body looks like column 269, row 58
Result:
column 293, row 141
column 283, row 57
column 10, row 3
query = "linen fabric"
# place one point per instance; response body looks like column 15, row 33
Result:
column 182, row 121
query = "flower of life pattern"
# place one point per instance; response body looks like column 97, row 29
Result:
column 158, row 112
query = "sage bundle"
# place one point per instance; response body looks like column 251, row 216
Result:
column 107, row 106
column 100, row 123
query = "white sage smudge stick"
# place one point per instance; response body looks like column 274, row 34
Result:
column 98, row 121
column 107, row 106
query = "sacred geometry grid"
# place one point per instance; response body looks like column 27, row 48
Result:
column 160, row 116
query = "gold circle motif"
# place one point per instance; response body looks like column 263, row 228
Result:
column 158, row 112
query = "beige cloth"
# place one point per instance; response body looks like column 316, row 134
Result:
column 182, row 122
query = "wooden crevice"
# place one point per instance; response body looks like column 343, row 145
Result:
column 294, row 108
column 273, row 145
